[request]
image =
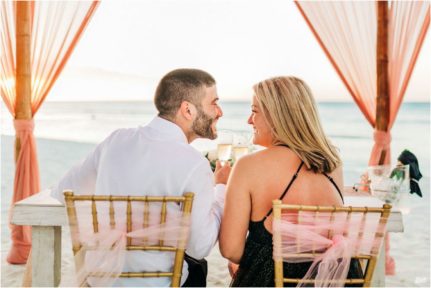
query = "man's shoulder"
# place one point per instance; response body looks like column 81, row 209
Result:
column 126, row 131
column 124, row 134
column 186, row 150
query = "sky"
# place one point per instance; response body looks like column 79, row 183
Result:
column 129, row 45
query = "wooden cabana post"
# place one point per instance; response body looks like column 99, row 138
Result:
column 383, row 99
column 33, row 54
column 23, row 66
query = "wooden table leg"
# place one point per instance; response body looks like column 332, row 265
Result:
column 46, row 256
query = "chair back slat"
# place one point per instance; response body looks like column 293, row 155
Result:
column 111, row 214
column 179, row 254
column 94, row 216
column 184, row 201
column 331, row 231
column 298, row 244
column 73, row 222
column 344, row 215
column 346, row 231
column 383, row 221
column 360, row 235
column 316, row 217
column 129, row 220
column 146, row 221
column 162, row 220
column 277, row 239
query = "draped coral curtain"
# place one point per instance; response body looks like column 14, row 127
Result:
column 347, row 32
column 55, row 30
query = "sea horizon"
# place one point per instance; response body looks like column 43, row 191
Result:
column 328, row 101
column 344, row 124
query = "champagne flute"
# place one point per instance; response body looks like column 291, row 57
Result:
column 240, row 147
column 224, row 146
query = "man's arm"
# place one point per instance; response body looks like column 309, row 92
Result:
column 207, row 209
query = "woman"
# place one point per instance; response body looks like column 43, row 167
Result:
column 298, row 166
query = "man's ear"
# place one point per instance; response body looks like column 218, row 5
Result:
column 187, row 110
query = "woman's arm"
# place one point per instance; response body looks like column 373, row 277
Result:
column 237, row 212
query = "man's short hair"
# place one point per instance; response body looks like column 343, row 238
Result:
column 181, row 85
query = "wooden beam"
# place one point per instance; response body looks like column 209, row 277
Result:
column 23, row 65
column 382, row 100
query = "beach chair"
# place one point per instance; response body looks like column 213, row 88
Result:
column 184, row 209
column 352, row 223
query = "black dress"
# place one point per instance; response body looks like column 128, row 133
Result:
column 256, row 268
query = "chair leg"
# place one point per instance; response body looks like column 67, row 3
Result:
column 278, row 272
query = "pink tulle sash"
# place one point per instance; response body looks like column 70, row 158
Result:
column 102, row 255
column 337, row 239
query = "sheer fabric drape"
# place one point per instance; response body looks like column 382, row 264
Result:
column 56, row 29
column 341, row 237
column 101, row 257
column 347, row 31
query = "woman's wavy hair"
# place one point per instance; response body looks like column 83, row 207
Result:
column 290, row 109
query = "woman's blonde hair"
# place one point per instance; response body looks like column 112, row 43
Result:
column 290, row 109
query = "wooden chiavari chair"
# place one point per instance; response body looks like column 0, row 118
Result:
column 368, row 260
column 184, row 201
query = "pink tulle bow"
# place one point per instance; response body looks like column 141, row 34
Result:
column 102, row 255
column 339, row 238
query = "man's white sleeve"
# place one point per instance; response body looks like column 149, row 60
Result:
column 207, row 211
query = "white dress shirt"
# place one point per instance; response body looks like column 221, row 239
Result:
column 153, row 160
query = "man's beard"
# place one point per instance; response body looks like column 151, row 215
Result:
column 202, row 125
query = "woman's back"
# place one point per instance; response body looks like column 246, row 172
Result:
column 277, row 173
column 271, row 170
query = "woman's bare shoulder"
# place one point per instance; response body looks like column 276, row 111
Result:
column 268, row 159
column 251, row 164
column 338, row 176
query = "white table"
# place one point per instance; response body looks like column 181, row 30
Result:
column 46, row 215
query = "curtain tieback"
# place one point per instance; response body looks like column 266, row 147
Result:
column 23, row 125
column 382, row 138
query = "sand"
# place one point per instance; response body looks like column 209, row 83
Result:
column 410, row 249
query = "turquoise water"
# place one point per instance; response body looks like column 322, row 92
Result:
column 343, row 122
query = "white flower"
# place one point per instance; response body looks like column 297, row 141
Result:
column 212, row 155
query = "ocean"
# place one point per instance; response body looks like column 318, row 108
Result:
column 91, row 122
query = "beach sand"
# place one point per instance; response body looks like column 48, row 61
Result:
column 410, row 249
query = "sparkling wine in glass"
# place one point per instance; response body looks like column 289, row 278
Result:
column 224, row 146
column 240, row 147
column 239, row 151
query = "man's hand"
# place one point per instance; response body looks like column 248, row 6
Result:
column 221, row 173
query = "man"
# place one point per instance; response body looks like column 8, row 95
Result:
column 157, row 160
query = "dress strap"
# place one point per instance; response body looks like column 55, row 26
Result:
column 336, row 187
column 287, row 188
